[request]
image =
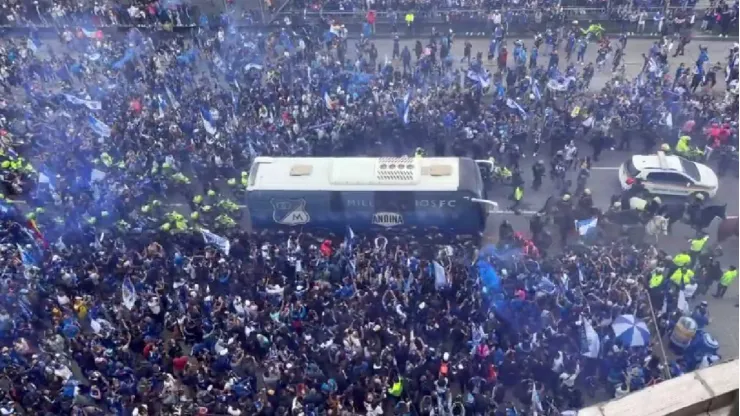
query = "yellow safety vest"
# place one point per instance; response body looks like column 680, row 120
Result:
column 683, row 145
column 107, row 160
column 656, row 280
column 409, row 18
column 396, row 389
column 678, row 277
column 518, row 193
column 682, row 260
column 728, row 277
column 697, row 244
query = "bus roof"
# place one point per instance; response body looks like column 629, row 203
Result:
column 359, row 174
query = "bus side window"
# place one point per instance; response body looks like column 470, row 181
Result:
column 336, row 204
column 394, row 201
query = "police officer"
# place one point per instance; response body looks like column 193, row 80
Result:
column 665, row 148
column 538, row 171
column 725, row 281
column 636, row 189
column 505, row 231
column 682, row 260
column 682, row 277
column 656, row 287
column 536, row 225
column 696, row 247
column 582, row 180
column 586, row 201
column 693, row 210
column 654, row 206
column 564, row 217
column 197, row 201
column 517, row 196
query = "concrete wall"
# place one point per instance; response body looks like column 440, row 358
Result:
column 711, row 391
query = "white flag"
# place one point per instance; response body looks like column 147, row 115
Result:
column 172, row 98
column 208, row 126
column 536, row 402
column 440, row 277
column 221, row 242
column 128, row 293
column 591, row 344
column 91, row 104
column 683, row 304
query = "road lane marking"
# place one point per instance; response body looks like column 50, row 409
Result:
column 508, row 212
column 604, row 168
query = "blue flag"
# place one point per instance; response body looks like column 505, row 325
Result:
column 536, row 90
column 515, row 106
column 349, row 241
column 403, row 107
column 481, row 77
column 99, row 127
column 129, row 55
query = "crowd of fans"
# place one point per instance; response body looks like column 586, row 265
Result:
column 121, row 156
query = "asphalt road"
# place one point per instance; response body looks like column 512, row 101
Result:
column 604, row 183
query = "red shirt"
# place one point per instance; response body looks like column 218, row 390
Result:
column 147, row 350
column 180, row 362
column 370, row 16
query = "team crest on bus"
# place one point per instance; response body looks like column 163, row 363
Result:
column 387, row 219
column 290, row 211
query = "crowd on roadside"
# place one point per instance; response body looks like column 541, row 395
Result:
column 97, row 13
column 122, row 156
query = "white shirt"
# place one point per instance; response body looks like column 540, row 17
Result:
column 557, row 363
column 568, row 380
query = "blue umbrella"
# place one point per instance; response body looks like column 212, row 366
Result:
column 631, row 331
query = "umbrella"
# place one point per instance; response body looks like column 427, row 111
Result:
column 631, row 331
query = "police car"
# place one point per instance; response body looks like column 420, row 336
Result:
column 669, row 175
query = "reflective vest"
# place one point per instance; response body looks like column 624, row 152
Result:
column 518, row 193
column 682, row 277
column 682, row 260
column 396, row 389
column 409, row 18
column 728, row 277
column 697, row 244
column 107, row 160
column 683, row 144
column 656, row 280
